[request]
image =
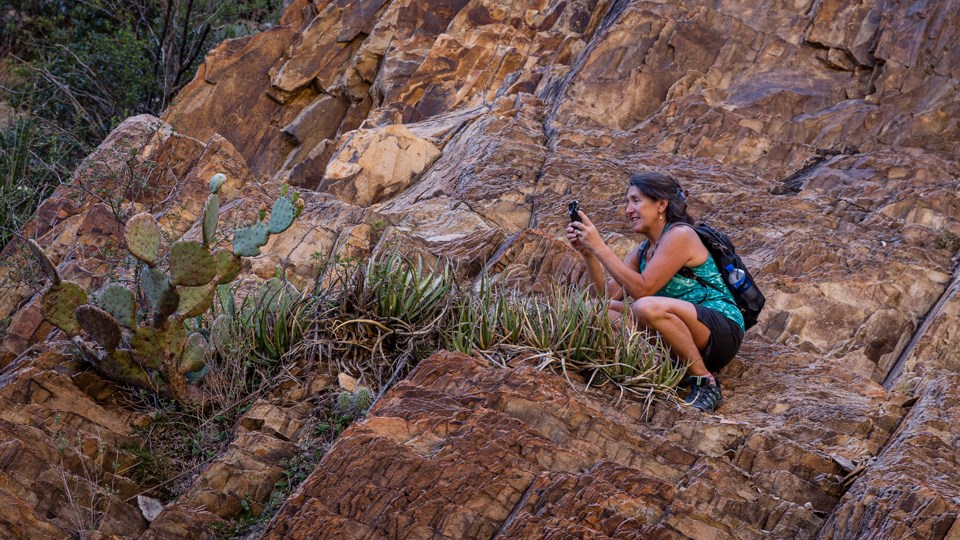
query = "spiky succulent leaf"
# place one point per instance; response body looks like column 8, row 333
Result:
column 191, row 264
column 281, row 217
column 195, row 352
column 101, row 326
column 142, row 234
column 154, row 284
column 59, row 305
column 228, row 304
column 118, row 301
column 195, row 301
column 45, row 263
column 211, row 211
column 217, row 182
column 272, row 294
column 228, row 266
column 247, row 241
column 147, row 347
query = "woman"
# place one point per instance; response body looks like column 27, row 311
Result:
column 701, row 324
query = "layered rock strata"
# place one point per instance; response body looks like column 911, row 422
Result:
column 821, row 134
column 462, row 449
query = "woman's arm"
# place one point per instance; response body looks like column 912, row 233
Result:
column 602, row 285
column 678, row 247
column 610, row 288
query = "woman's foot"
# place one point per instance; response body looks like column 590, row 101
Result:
column 704, row 394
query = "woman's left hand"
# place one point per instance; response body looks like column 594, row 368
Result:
column 585, row 233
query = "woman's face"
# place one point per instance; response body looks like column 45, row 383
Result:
column 642, row 211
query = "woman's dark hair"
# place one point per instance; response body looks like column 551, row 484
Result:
column 659, row 186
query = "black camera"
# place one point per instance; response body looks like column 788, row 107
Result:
column 573, row 208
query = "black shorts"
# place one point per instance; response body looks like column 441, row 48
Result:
column 725, row 338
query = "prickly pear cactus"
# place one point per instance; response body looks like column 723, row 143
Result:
column 228, row 266
column 120, row 365
column 195, row 353
column 216, row 182
column 118, row 301
column 191, row 264
column 211, row 212
column 167, row 306
column 247, row 241
column 281, row 217
column 59, row 304
column 160, row 356
column 147, row 346
column 48, row 267
column 142, row 234
column 101, row 326
column 195, row 301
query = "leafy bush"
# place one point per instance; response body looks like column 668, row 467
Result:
column 83, row 67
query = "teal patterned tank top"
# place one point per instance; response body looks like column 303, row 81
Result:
column 716, row 297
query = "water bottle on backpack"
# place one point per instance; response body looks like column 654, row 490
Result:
column 740, row 282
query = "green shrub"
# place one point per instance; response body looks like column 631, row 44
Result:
column 83, row 67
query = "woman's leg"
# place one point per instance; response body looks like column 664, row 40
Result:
column 615, row 313
column 676, row 322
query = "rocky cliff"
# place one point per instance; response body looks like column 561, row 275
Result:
column 822, row 134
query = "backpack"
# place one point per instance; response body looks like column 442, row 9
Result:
column 723, row 253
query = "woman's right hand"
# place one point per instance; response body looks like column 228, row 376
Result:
column 573, row 236
column 577, row 234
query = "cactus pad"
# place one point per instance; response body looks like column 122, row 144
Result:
column 228, row 266
column 195, row 353
column 142, row 234
column 196, row 377
column 216, row 182
column 195, row 300
column 101, row 326
column 120, row 365
column 154, row 284
column 174, row 338
column 247, row 241
column 147, row 347
column 169, row 300
column 281, row 217
column 222, row 335
column 118, row 301
column 41, row 256
column 211, row 212
column 60, row 303
column 191, row 264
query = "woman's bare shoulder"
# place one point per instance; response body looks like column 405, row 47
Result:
column 682, row 232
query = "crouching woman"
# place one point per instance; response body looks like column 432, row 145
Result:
column 700, row 323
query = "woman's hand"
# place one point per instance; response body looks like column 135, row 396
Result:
column 583, row 236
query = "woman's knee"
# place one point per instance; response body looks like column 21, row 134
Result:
column 648, row 310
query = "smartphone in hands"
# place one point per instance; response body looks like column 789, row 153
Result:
column 573, row 208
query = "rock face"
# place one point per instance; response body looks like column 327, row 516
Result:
column 462, row 449
column 822, row 135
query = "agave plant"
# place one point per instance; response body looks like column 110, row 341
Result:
column 406, row 291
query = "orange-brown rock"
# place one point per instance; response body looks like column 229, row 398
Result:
column 911, row 488
column 822, row 135
column 463, row 449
